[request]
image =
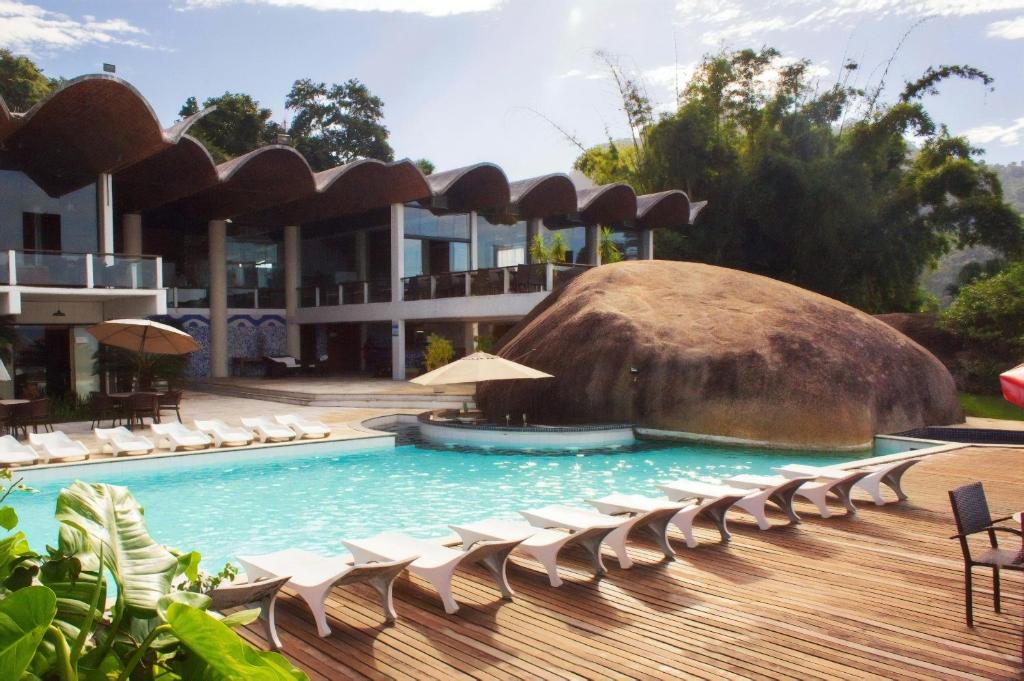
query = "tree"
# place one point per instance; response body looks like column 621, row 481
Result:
column 608, row 248
column 817, row 187
column 426, row 166
column 237, row 125
column 22, row 83
column 337, row 124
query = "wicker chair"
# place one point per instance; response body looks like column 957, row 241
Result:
column 6, row 418
column 970, row 510
column 33, row 413
column 170, row 401
column 141, row 405
column 103, row 407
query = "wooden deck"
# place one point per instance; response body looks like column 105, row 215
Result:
column 878, row 595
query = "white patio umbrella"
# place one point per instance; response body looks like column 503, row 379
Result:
column 144, row 336
column 477, row 367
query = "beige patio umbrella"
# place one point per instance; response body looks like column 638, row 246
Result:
column 477, row 367
column 144, row 336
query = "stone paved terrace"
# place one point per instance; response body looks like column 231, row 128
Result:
column 874, row 596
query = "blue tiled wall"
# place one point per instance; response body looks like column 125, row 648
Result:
column 248, row 336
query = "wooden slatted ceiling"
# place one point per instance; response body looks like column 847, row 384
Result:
column 876, row 596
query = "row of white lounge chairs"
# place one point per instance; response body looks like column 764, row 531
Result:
column 58, row 447
column 610, row 521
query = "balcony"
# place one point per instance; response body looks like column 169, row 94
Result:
column 245, row 298
column 81, row 270
column 487, row 282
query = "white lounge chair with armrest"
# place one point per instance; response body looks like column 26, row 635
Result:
column 544, row 545
column 827, row 481
column 437, row 563
column 776, row 489
column 575, row 519
column 750, row 500
column 223, row 434
column 57, row 446
column 303, row 427
column 263, row 591
column 685, row 512
column 313, row 576
column 176, row 436
column 889, row 474
column 267, row 430
column 14, row 453
column 123, row 441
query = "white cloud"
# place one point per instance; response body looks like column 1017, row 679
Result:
column 725, row 21
column 28, row 28
column 431, row 8
column 1009, row 135
column 1011, row 29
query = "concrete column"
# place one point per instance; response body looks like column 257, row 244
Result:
column 362, row 344
column 105, row 213
column 292, row 276
column 131, row 226
column 362, row 256
column 593, row 245
column 398, row 257
column 647, row 244
column 398, row 349
column 533, row 228
column 218, row 292
column 474, row 257
column 470, row 330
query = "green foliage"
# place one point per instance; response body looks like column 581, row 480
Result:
column 22, row 83
column 237, row 126
column 484, row 343
column 990, row 313
column 440, row 351
column 425, row 165
column 559, row 249
column 337, row 124
column 990, row 407
column 974, row 271
column 56, row 624
column 539, row 251
column 608, row 248
column 816, row 186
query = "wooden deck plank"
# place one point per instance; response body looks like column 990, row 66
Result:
column 876, row 595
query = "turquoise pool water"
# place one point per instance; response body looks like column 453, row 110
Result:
column 315, row 501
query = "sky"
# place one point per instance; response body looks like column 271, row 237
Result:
column 483, row 80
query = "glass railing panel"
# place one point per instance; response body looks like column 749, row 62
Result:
column 46, row 268
column 192, row 297
column 563, row 274
column 242, row 297
column 527, row 278
column 417, row 288
column 353, row 293
column 329, row 296
column 123, row 271
column 307, row 296
column 488, row 282
column 450, row 284
column 271, row 298
column 380, row 291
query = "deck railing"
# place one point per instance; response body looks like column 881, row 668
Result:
column 82, row 270
column 483, row 282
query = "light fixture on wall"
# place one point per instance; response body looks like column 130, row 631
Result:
column 59, row 313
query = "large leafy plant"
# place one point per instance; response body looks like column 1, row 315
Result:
column 55, row 622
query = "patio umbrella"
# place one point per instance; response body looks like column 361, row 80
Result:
column 144, row 336
column 477, row 367
column 1012, row 382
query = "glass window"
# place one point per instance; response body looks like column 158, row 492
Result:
column 575, row 239
column 422, row 222
column 628, row 242
column 413, row 257
column 458, row 258
column 500, row 245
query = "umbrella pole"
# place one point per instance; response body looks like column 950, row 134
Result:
column 142, row 344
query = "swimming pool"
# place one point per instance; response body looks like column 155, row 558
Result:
column 314, row 500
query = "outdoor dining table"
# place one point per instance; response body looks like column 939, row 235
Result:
column 11, row 403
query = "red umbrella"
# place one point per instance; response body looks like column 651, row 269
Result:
column 1012, row 382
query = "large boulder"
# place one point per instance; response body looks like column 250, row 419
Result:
column 718, row 352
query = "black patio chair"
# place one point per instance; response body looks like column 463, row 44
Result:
column 103, row 407
column 33, row 413
column 170, row 401
column 142, row 405
column 6, row 418
column 970, row 511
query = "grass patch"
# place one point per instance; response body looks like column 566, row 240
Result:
column 990, row 407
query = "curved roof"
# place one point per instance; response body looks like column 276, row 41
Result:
column 664, row 209
column 355, row 187
column 606, row 205
column 474, row 187
column 266, row 177
column 7, row 121
column 179, row 171
column 539, row 197
column 93, row 124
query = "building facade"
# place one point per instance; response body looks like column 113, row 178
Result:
column 104, row 214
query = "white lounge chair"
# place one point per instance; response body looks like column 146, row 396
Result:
column 888, row 474
column 313, row 576
column 778, row 490
column 685, row 512
column 57, row 446
column 303, row 427
column 576, row 519
column 750, row 500
column 543, row 545
column 827, row 481
column 267, row 430
column 124, row 441
column 437, row 563
column 14, row 453
column 176, row 436
column 223, row 434
column 262, row 591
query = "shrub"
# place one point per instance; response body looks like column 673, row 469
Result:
column 440, row 351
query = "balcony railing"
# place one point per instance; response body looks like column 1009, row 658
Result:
column 246, row 298
column 82, row 270
column 486, row 282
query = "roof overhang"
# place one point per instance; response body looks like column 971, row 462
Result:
column 609, row 204
column 669, row 209
column 539, row 197
column 477, row 187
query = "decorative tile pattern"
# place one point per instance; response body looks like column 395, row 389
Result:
column 248, row 336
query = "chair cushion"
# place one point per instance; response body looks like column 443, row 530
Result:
column 1000, row 557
